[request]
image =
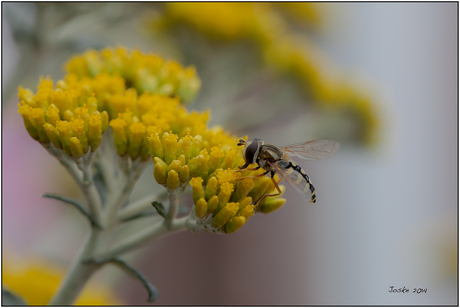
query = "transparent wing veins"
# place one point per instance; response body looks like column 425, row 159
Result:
column 312, row 150
column 291, row 179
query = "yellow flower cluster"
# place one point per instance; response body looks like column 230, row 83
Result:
column 225, row 201
column 236, row 20
column 143, row 72
column 218, row 194
column 303, row 59
column 149, row 116
column 70, row 121
column 73, row 114
column 269, row 25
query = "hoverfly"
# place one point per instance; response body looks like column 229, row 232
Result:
column 275, row 159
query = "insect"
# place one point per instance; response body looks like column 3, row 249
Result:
column 275, row 159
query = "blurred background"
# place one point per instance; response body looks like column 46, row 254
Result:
column 380, row 78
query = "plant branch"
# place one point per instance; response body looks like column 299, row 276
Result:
column 153, row 292
column 79, row 272
column 152, row 232
column 139, row 206
column 77, row 205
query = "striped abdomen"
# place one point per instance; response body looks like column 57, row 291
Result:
column 299, row 180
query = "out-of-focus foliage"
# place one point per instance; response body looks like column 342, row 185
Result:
column 281, row 35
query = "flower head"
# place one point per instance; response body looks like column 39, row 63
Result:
column 143, row 72
column 95, row 91
column 140, row 97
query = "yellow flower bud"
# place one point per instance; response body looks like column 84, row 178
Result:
column 196, row 145
column 181, row 158
column 184, row 147
column 78, row 127
column 25, row 111
column 271, row 205
column 201, row 208
column 199, row 165
column 230, row 159
column 234, row 224
column 25, row 95
column 137, row 130
column 245, row 202
column 156, row 147
column 95, row 131
column 261, row 188
column 76, row 148
column 53, row 114
column 68, row 115
column 197, row 186
column 226, row 190
column 184, row 173
column 242, row 189
column 226, row 176
column 212, row 204
column 215, row 158
column 53, row 135
column 104, row 120
column 247, row 211
column 65, row 133
column 119, row 135
column 38, row 115
column 174, row 165
column 145, row 148
column 211, row 188
column 173, row 180
column 159, row 171
column 82, row 113
column 224, row 214
column 170, row 146
column 91, row 104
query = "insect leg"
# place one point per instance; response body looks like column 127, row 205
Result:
column 244, row 168
column 276, row 186
column 253, row 176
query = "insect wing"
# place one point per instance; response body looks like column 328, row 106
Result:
column 295, row 179
column 312, row 150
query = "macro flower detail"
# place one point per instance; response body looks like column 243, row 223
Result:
column 224, row 203
column 115, row 113
column 143, row 72
column 62, row 118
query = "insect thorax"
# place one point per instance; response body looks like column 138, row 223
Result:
column 270, row 152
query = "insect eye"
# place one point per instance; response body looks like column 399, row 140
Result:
column 251, row 152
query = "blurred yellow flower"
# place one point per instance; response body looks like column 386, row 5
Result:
column 284, row 46
column 36, row 280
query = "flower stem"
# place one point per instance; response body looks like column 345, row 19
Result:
column 79, row 272
column 173, row 206
column 148, row 234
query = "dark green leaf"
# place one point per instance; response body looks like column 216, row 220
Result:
column 76, row 204
column 160, row 208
